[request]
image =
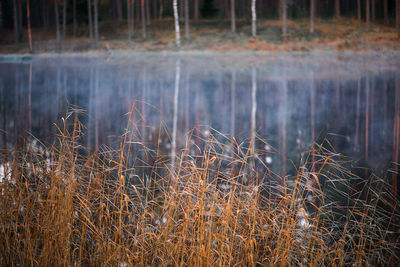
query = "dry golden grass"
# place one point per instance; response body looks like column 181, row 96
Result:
column 215, row 35
column 213, row 207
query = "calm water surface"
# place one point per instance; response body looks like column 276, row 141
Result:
column 291, row 101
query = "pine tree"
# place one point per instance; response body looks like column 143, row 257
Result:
column 208, row 9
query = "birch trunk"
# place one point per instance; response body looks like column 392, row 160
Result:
column 253, row 18
column 177, row 29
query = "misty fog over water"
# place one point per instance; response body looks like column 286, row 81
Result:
column 289, row 101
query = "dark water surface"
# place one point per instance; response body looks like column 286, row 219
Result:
column 289, row 100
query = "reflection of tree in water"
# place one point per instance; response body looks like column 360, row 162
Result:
column 220, row 98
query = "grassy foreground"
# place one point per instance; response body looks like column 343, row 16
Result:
column 61, row 205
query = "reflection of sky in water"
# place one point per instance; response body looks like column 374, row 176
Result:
column 288, row 100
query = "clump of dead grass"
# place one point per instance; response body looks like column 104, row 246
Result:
column 215, row 204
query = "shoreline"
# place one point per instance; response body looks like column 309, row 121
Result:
column 338, row 36
column 120, row 52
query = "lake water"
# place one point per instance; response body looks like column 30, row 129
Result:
column 288, row 100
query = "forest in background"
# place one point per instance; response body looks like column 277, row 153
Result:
column 25, row 23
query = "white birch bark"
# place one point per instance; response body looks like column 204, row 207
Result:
column 253, row 18
column 177, row 30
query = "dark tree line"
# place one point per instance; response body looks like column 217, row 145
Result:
column 138, row 14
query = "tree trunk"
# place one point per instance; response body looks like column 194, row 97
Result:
column 148, row 12
column 161, row 10
column 176, row 17
column 128, row 18
column 74, row 18
column 398, row 18
column 119, row 10
column 280, row 4
column 385, row 12
column 253, row 18
column 196, row 10
column 233, row 16
column 226, row 9
column 373, row 10
column 367, row 18
column 64, row 19
column 359, row 11
column 44, row 20
column 337, row 8
column 312, row 15
column 28, row 18
column 142, row 7
column 90, row 20
column 20, row 26
column 96, row 24
column 155, row 9
column 187, row 32
column 181, row 15
column 1, row 15
column 284, row 17
column 16, row 34
column 132, row 17
column 57, row 21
